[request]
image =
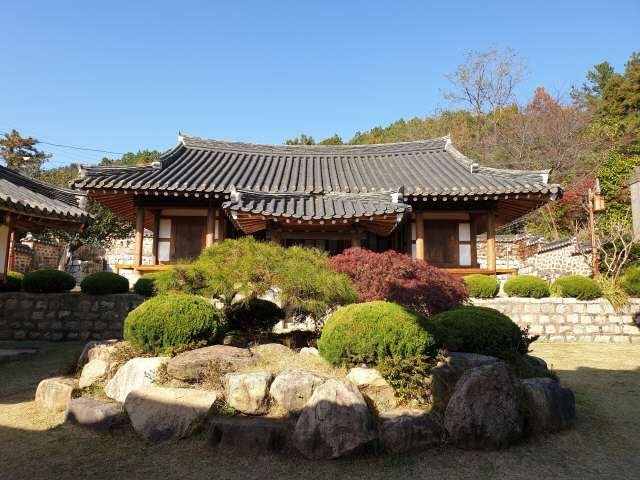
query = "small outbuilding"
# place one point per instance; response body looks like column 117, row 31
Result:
column 423, row 198
column 27, row 203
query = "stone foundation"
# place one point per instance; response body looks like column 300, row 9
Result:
column 571, row 320
column 64, row 316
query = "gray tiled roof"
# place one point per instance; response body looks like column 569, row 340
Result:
column 28, row 196
column 430, row 167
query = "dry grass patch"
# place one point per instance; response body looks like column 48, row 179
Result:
column 277, row 361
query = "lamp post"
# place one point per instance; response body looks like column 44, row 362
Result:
column 595, row 201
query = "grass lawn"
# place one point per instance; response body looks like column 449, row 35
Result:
column 605, row 442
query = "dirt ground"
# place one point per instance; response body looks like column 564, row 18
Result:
column 604, row 443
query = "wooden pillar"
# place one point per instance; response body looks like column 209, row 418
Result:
column 5, row 275
column 137, row 252
column 491, row 243
column 156, row 233
column 211, row 226
column 12, row 242
column 420, row 244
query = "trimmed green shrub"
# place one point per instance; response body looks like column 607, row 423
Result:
column 477, row 330
column 104, row 283
column 631, row 281
column 368, row 332
column 481, row 286
column 407, row 376
column 14, row 282
column 173, row 320
column 146, row 285
column 48, row 281
column 576, row 286
column 255, row 317
column 526, row 286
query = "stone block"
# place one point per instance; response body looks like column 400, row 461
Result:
column 249, row 435
column 579, row 308
column 93, row 414
column 55, row 393
column 634, row 339
column 62, row 314
column 600, row 319
column 620, row 338
column 409, row 431
column 570, row 338
column 558, row 319
column 586, row 319
column 562, row 308
column 104, row 305
column 529, row 319
column 57, row 336
column 99, row 325
column 26, row 304
column 34, row 335
column 71, row 326
column 536, row 329
column 556, row 338
column 564, row 328
column 19, row 335
column 628, row 319
column 532, row 309
column 544, row 319
column 615, row 318
column 550, row 329
column 602, row 338
column 594, row 308
column 592, row 329
column 578, row 329
column 631, row 329
column 547, row 309
column 37, row 315
column 41, row 305
column 573, row 318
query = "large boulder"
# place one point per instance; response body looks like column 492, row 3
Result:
column 93, row 414
column 249, row 392
column 192, row 364
column 373, row 385
column 336, row 422
column 443, row 383
column 96, row 349
column 161, row 414
column 249, row 435
column 309, row 351
column 536, row 361
column 136, row 373
column 484, row 411
column 96, row 371
column 294, row 387
column 553, row 407
column 469, row 360
column 55, row 393
column 409, row 430
column 272, row 348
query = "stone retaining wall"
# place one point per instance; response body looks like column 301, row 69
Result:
column 571, row 320
column 64, row 316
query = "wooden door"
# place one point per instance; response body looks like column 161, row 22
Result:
column 188, row 238
column 442, row 244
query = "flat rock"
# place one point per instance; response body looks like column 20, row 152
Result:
column 469, row 360
column 161, row 414
column 93, row 414
column 248, row 393
column 294, row 387
column 554, row 406
column 335, row 422
column 190, row 365
column 309, row 351
column 95, row 372
column 136, row 373
column 536, row 362
column 484, row 411
column 272, row 348
column 249, row 435
column 373, row 385
column 443, row 382
column 55, row 393
column 409, row 430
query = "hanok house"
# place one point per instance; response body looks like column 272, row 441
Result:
column 27, row 203
column 424, row 198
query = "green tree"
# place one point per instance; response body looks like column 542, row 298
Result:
column 335, row 140
column 20, row 154
column 143, row 156
column 303, row 140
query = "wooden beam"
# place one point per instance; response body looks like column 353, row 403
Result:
column 315, row 235
column 139, row 238
column 491, row 243
column 420, row 243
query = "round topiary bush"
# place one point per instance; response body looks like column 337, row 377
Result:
column 255, row 316
column 481, row 286
column 576, row 286
column 14, row 282
column 631, row 281
column 104, row 283
column 477, row 330
column 526, row 286
column 367, row 332
column 48, row 281
column 173, row 320
column 146, row 285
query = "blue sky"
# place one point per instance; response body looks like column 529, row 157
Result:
column 124, row 76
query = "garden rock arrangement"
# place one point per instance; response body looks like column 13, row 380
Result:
column 484, row 406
